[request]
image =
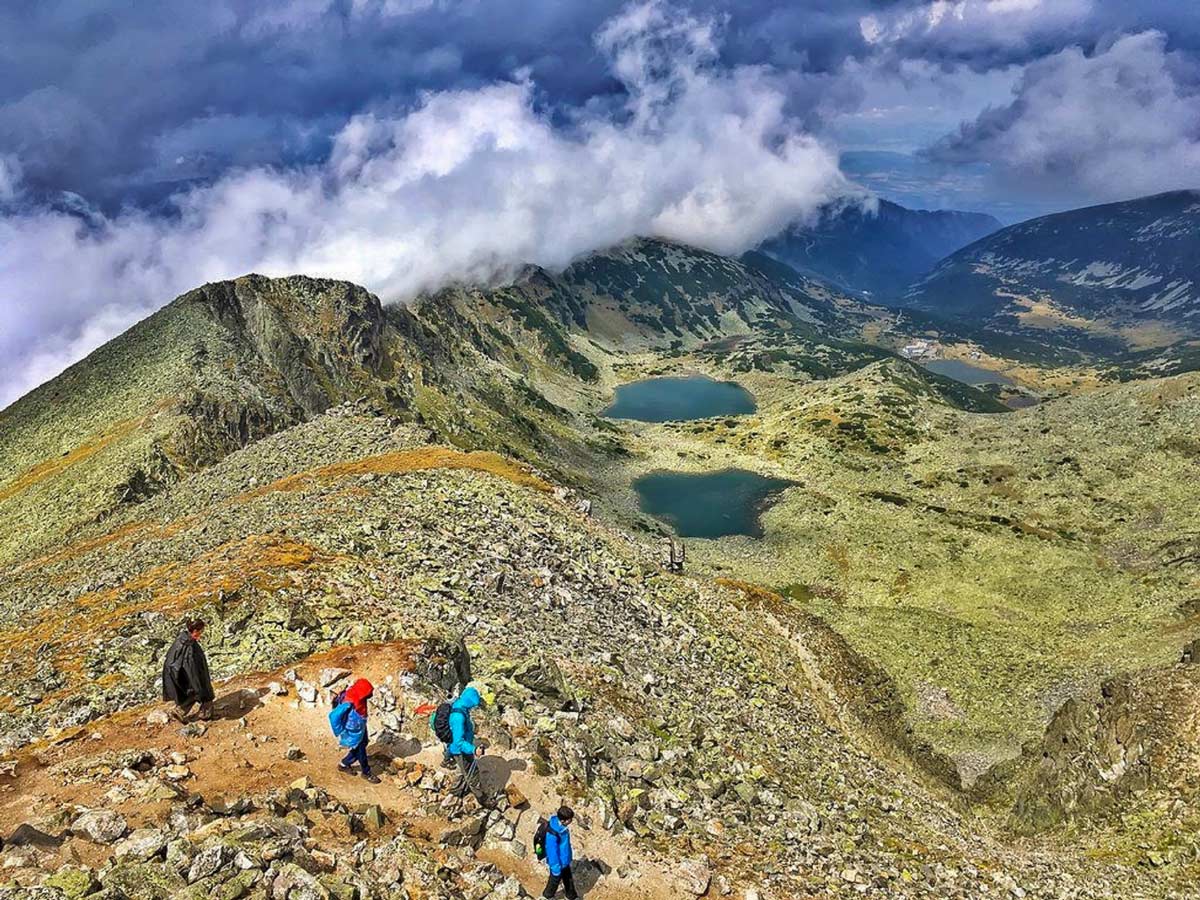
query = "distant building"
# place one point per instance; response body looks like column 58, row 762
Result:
column 919, row 349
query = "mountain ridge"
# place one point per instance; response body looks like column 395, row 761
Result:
column 1098, row 269
column 876, row 253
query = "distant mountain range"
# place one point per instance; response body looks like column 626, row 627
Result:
column 1128, row 261
column 877, row 252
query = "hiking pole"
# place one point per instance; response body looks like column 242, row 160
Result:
column 466, row 783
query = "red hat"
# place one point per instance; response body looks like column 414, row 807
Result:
column 357, row 695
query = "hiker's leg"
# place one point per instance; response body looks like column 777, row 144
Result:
column 349, row 759
column 552, row 886
column 360, row 753
column 474, row 781
column 464, row 761
column 568, row 880
column 206, row 711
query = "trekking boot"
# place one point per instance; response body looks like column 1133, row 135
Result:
column 342, row 767
column 371, row 777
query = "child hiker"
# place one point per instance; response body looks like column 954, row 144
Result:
column 552, row 842
column 349, row 723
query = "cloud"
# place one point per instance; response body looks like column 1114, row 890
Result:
column 1120, row 121
column 10, row 178
column 468, row 184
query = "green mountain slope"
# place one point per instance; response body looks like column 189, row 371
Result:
column 877, row 253
column 1105, row 279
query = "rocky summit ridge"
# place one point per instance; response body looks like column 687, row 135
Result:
column 419, row 494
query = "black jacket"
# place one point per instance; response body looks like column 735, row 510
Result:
column 185, row 672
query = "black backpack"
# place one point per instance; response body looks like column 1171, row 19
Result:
column 539, row 839
column 441, row 723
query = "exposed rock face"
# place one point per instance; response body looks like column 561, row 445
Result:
column 323, row 339
column 1093, row 753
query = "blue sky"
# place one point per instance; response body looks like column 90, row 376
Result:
column 145, row 148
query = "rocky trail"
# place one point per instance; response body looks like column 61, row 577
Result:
column 129, row 788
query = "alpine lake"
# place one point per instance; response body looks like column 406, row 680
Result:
column 699, row 505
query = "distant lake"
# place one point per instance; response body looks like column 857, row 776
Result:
column 965, row 372
column 709, row 505
column 679, row 399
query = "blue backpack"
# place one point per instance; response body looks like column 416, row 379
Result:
column 339, row 714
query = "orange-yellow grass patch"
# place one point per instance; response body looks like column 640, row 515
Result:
column 125, row 534
column 50, row 467
column 262, row 561
column 753, row 592
column 403, row 461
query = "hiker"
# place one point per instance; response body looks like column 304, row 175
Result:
column 453, row 726
column 552, row 842
column 185, row 675
column 349, row 722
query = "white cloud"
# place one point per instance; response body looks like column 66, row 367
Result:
column 468, row 185
column 1119, row 122
column 972, row 26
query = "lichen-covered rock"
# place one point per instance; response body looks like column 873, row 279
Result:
column 142, row 844
column 75, row 882
column 101, row 826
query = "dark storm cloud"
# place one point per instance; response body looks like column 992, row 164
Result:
column 147, row 147
column 115, row 100
column 467, row 182
column 121, row 102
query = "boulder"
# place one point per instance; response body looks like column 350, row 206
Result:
column 332, row 676
column 293, row 883
column 543, row 676
column 306, row 692
column 100, row 826
column 142, row 844
column 373, row 817
column 516, row 799
column 695, row 876
column 444, row 662
column 208, row 862
column 75, row 882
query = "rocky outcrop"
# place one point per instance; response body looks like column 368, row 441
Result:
column 322, row 340
column 1103, row 754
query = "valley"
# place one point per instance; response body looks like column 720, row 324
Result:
column 859, row 691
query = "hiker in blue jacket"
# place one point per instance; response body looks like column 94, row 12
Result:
column 462, row 747
column 349, row 723
column 558, row 854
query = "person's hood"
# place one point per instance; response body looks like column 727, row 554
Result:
column 357, row 695
column 468, row 699
column 556, row 826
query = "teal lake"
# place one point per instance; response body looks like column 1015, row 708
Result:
column 679, row 399
column 708, row 505
column 966, row 373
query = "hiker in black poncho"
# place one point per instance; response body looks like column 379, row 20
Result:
column 185, row 674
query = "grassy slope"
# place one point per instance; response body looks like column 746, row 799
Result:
column 993, row 564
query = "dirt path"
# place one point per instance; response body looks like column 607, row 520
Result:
column 245, row 752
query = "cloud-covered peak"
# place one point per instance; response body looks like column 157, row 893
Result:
column 468, row 184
